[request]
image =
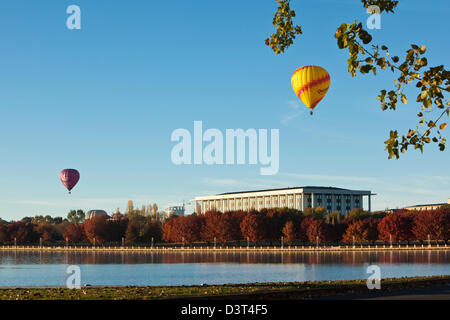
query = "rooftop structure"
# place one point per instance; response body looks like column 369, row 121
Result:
column 300, row 198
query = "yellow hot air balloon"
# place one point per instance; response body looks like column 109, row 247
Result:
column 310, row 84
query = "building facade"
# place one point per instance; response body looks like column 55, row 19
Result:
column 300, row 198
column 421, row 207
column 174, row 210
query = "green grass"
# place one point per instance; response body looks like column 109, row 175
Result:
column 254, row 290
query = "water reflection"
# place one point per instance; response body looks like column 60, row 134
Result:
column 309, row 258
column 24, row 269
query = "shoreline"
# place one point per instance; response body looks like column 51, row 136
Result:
column 250, row 291
column 360, row 248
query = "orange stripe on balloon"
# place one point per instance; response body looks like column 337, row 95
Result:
column 301, row 68
column 316, row 102
column 312, row 84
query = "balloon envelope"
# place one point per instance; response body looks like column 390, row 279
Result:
column 310, row 84
column 69, row 178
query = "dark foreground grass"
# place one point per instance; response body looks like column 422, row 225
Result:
column 283, row 290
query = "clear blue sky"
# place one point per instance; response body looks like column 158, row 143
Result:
column 105, row 100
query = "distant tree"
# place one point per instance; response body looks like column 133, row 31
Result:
column 308, row 212
column 228, row 228
column 3, row 233
column 302, row 232
column 333, row 217
column 336, row 231
column 211, row 225
column 356, row 231
column 189, row 228
column 151, row 229
column 47, row 232
column 60, row 228
column 397, row 225
column 289, row 232
column 57, row 220
column 434, row 224
column 132, row 233
column 358, row 213
column 317, row 231
column 252, row 226
column 37, row 220
column 76, row 216
column 274, row 221
column 97, row 228
column 148, row 210
column 130, row 207
column 74, row 233
column 155, row 209
column 23, row 232
column 318, row 212
column 168, row 231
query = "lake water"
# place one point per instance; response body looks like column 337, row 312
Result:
column 26, row 269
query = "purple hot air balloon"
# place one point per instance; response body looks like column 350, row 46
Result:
column 69, row 178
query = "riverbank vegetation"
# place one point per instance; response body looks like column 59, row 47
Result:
column 274, row 226
column 283, row 290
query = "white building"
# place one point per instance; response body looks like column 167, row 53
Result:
column 421, row 207
column 177, row 210
column 300, row 198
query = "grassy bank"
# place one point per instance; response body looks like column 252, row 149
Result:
column 291, row 290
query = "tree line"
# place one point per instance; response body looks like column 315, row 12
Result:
column 269, row 225
column 310, row 226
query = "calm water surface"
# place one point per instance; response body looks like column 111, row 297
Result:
column 20, row 269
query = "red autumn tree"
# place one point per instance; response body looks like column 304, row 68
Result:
column 434, row 224
column 23, row 232
column 74, row 233
column 228, row 228
column 289, row 233
column 317, row 231
column 167, row 230
column 187, row 228
column 356, row 231
column 211, row 228
column 97, row 228
column 3, row 233
column 302, row 231
column 47, row 232
column 252, row 226
column 361, row 230
column 396, row 226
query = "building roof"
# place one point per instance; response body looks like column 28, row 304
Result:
column 426, row 205
column 290, row 188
